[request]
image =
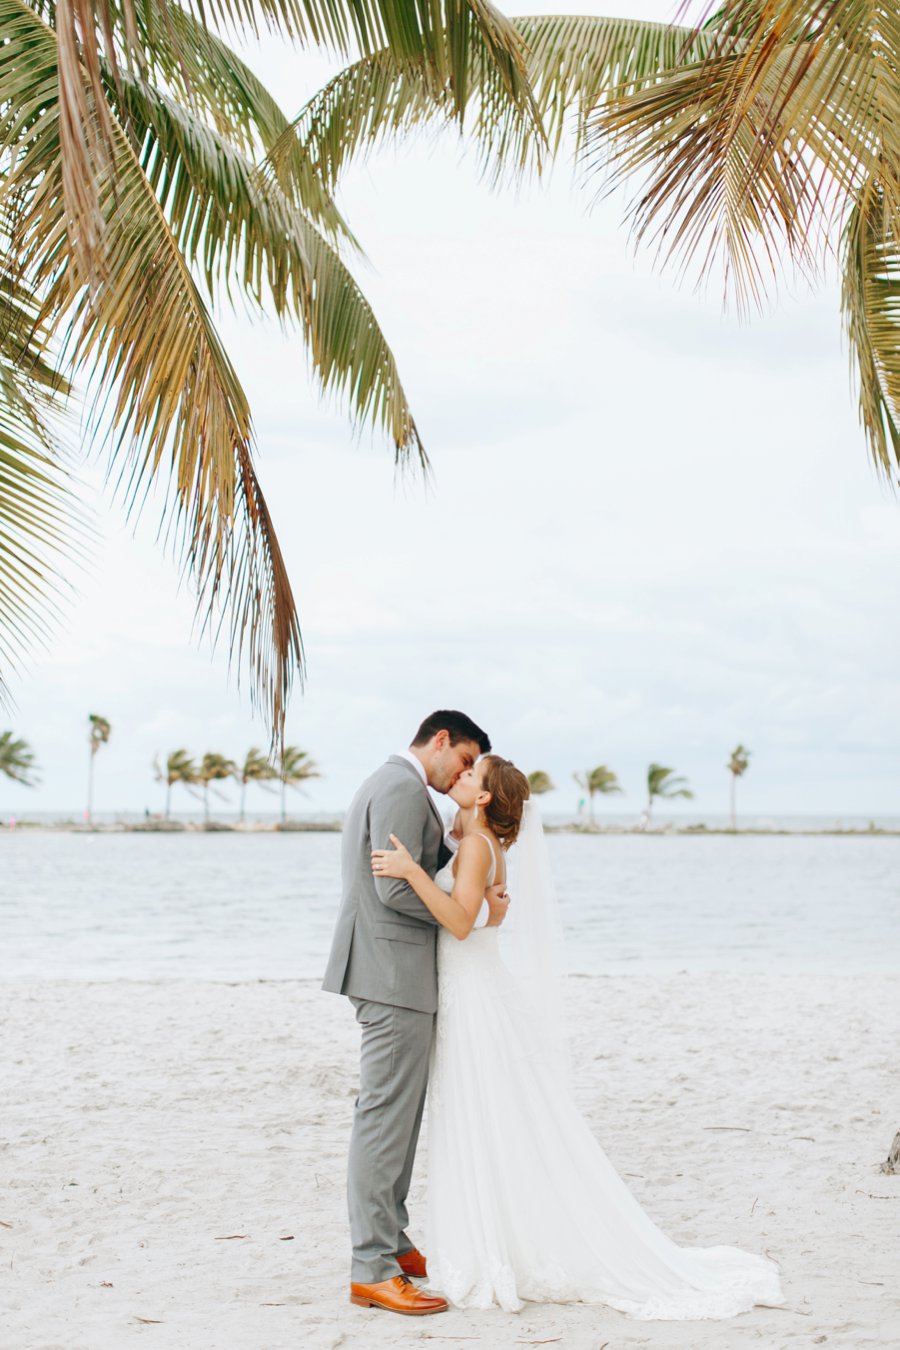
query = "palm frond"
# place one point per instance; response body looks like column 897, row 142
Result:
column 191, row 64
column 575, row 62
column 40, row 528
column 707, row 194
column 17, row 760
column 173, row 394
column 238, row 225
column 752, row 149
column 444, row 33
column 871, row 304
column 572, row 64
column 838, row 76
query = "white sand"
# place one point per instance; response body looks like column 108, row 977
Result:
column 143, row 1123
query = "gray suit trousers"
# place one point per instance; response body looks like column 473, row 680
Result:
column 396, row 1045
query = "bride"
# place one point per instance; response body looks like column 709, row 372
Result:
column 523, row 1203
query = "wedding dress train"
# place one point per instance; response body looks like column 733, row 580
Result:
column 523, row 1203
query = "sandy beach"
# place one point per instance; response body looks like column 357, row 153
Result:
column 173, row 1160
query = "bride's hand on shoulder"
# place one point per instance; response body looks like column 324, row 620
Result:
column 395, row 862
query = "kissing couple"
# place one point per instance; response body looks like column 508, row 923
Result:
column 523, row 1204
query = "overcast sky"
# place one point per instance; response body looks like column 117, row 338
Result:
column 653, row 532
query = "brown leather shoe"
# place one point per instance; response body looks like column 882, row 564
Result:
column 398, row 1295
column 413, row 1263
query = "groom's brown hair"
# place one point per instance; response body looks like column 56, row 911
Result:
column 460, row 727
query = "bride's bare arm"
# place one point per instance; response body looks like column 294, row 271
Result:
column 456, row 912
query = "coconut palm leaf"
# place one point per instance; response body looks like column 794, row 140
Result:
column 239, row 226
column 575, row 62
column 837, row 75
column 739, row 761
column 442, row 33
column 572, row 63
column 707, row 194
column 786, row 127
column 665, row 783
column 295, row 766
column 99, row 732
column 17, row 760
column 871, row 303
column 39, row 525
column 199, row 71
column 179, row 416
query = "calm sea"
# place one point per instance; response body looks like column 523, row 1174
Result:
column 245, row 907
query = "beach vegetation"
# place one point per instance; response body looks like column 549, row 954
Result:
column 664, row 784
column 256, row 768
column 17, row 760
column 600, row 780
column 540, row 782
column 99, row 732
column 214, row 768
column 295, row 767
column 179, row 768
column 737, row 766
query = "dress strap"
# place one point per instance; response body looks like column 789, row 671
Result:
column 493, row 872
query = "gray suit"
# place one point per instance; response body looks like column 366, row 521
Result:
column 383, row 957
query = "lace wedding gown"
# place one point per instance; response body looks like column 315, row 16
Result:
column 522, row 1201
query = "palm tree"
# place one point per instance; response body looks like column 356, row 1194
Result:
column 601, row 780
column 17, row 760
column 256, row 769
column 99, row 732
column 213, row 768
column 540, row 782
column 766, row 134
column 133, row 199
column 665, row 784
column 295, row 767
column 737, row 766
column 180, row 768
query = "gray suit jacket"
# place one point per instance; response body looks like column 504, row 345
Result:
column 385, row 942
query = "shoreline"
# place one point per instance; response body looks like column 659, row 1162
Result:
column 161, row 826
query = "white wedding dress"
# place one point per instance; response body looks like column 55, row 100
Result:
column 523, row 1203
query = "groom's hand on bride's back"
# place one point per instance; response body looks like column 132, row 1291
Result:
column 497, row 899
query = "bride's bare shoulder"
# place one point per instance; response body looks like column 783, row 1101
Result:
column 475, row 847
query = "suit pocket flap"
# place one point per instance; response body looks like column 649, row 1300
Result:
column 401, row 932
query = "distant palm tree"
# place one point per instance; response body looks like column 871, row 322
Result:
column 17, row 760
column 601, row 780
column 736, row 766
column 99, row 731
column 295, row 767
column 256, row 769
column 180, row 768
column 540, row 782
column 660, row 783
column 212, row 769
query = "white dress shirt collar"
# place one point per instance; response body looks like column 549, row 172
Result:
column 416, row 763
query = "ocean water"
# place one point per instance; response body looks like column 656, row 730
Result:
column 262, row 906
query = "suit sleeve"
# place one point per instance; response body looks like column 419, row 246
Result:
column 403, row 811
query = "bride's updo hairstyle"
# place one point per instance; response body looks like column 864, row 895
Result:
column 509, row 791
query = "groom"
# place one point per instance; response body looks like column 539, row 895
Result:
column 383, row 957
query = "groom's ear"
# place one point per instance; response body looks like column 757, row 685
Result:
column 441, row 738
